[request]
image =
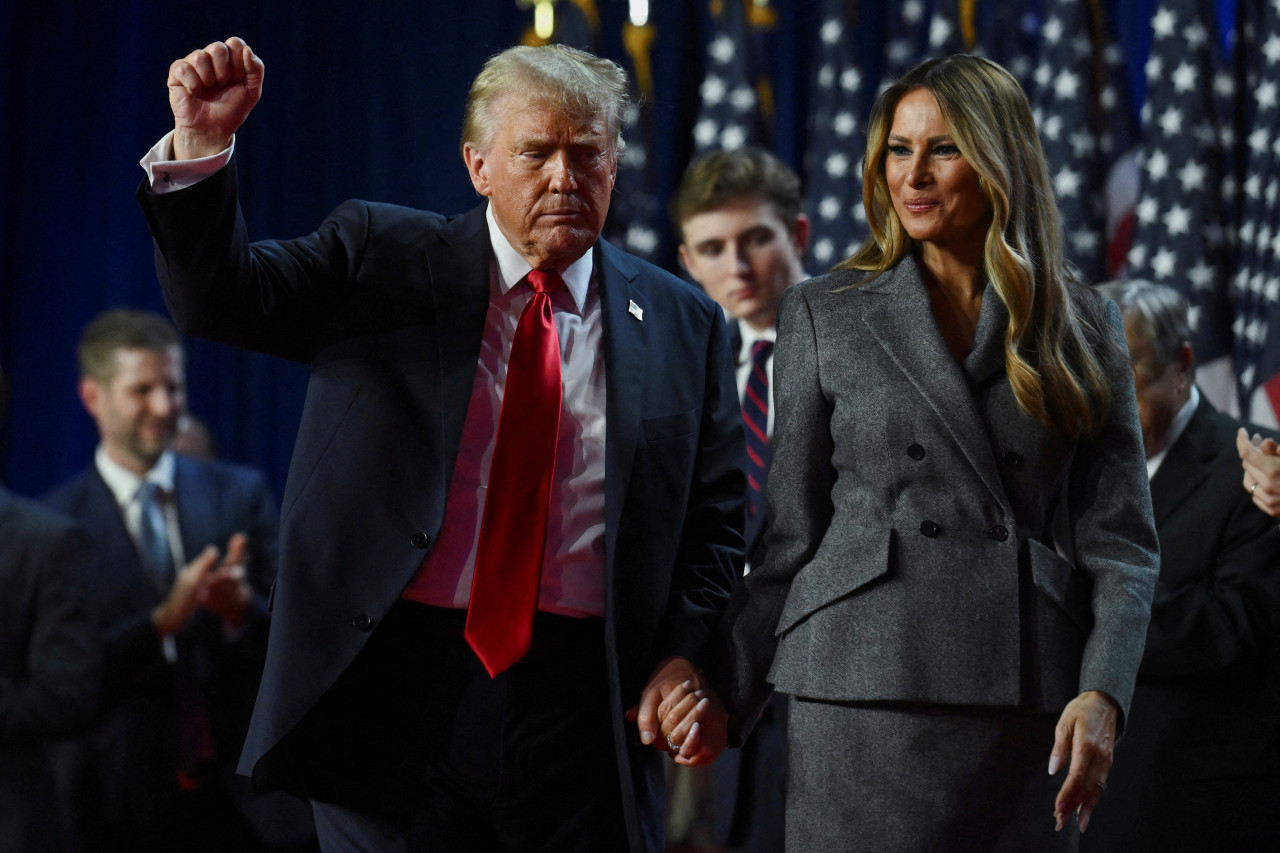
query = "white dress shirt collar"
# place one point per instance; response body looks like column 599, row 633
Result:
column 1176, row 428
column 512, row 267
column 124, row 484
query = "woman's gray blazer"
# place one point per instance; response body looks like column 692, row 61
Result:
column 913, row 554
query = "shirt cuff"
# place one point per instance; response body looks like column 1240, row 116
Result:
column 166, row 175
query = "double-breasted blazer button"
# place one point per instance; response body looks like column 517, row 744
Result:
column 998, row 532
column 420, row 540
column 363, row 622
column 1013, row 460
column 929, row 528
column 916, row 452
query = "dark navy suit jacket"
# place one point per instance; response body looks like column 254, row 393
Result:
column 50, row 657
column 387, row 305
column 1197, row 769
column 131, row 756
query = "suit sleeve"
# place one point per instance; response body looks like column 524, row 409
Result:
column 1224, row 618
column 269, row 297
column 801, row 477
column 1113, row 530
column 59, row 693
column 710, row 551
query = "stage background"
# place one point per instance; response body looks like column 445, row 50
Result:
column 361, row 100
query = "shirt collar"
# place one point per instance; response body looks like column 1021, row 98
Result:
column 512, row 267
column 1176, row 428
column 750, row 334
column 124, row 484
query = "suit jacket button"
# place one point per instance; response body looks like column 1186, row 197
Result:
column 363, row 622
column 1013, row 460
column 929, row 528
column 998, row 532
column 916, row 452
column 420, row 540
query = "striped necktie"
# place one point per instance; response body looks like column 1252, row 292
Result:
column 755, row 416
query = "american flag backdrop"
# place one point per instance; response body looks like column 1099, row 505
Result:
column 729, row 113
column 1256, row 322
column 1207, row 221
column 837, row 138
column 918, row 30
column 1084, row 123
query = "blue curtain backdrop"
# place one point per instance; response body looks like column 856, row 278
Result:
column 361, row 100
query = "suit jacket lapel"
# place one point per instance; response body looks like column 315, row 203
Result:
column 197, row 513
column 1186, row 465
column 903, row 323
column 626, row 346
column 459, row 261
column 117, row 551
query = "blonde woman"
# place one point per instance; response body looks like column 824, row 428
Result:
column 958, row 578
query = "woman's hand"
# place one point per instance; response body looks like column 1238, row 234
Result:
column 1085, row 737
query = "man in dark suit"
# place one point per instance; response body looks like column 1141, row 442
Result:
column 515, row 505
column 743, row 237
column 1197, row 769
column 50, row 665
column 183, row 555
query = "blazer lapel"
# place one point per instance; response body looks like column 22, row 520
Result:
column 1186, row 465
column 626, row 347
column 116, row 551
column 197, row 513
column 903, row 323
column 459, row 262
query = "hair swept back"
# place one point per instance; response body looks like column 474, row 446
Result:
column 1051, row 344
column 722, row 177
column 117, row 329
column 571, row 81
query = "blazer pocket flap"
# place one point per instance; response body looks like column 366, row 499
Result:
column 843, row 564
column 670, row 426
column 1050, row 571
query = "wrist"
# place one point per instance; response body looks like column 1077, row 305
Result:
column 192, row 144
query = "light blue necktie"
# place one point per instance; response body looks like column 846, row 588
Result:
column 154, row 537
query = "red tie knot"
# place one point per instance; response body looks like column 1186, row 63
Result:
column 545, row 281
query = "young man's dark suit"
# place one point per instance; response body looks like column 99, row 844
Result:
column 132, row 755
column 388, row 305
column 1197, row 768
column 50, row 660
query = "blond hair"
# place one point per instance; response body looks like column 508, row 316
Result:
column 1051, row 345
column 565, row 79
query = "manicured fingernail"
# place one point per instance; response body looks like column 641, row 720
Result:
column 698, row 694
column 1055, row 764
column 1084, row 818
column 688, row 685
column 646, row 737
column 693, row 732
column 702, row 706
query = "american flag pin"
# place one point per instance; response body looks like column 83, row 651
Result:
column 635, row 311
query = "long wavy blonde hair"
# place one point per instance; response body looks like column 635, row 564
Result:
column 1050, row 345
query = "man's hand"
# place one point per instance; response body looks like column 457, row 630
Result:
column 171, row 615
column 679, row 709
column 1085, row 736
column 224, row 590
column 211, row 92
column 1260, row 458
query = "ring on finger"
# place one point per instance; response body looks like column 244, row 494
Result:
column 1252, row 487
column 1100, row 785
column 672, row 745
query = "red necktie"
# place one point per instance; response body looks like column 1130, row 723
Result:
column 513, row 533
